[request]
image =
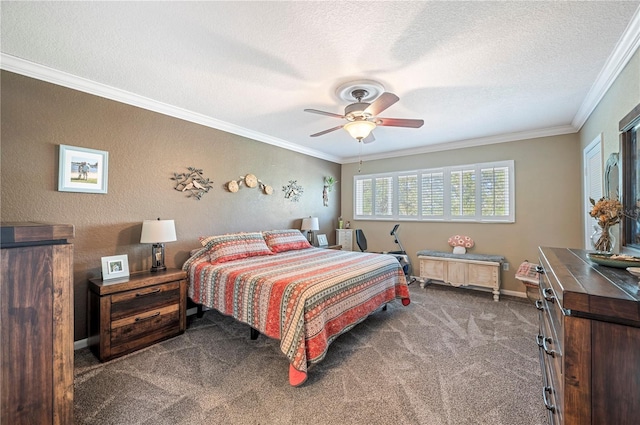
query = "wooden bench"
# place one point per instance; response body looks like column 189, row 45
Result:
column 461, row 269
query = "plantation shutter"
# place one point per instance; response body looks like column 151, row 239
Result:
column 364, row 197
column 408, row 195
column 384, row 196
column 432, row 195
column 494, row 192
column 463, row 193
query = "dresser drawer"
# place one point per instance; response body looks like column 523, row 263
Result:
column 552, row 307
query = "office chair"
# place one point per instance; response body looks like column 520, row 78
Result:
column 361, row 240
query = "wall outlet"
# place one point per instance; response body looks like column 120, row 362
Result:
column 505, row 266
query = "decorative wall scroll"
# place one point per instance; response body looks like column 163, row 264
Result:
column 192, row 182
column 250, row 181
column 328, row 187
column 293, row 191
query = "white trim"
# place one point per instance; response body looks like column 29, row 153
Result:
column 469, row 143
column 508, row 292
column 518, row 294
column 586, row 176
column 80, row 344
column 50, row 75
column 622, row 53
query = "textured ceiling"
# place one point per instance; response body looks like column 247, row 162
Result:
column 476, row 72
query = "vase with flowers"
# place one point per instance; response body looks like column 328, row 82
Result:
column 607, row 213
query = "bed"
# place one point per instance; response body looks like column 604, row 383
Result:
column 284, row 288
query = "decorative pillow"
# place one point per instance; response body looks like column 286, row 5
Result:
column 231, row 247
column 286, row 240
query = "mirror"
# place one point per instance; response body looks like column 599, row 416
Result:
column 612, row 177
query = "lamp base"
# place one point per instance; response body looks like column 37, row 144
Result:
column 155, row 269
column 157, row 258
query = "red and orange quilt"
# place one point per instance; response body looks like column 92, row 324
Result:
column 304, row 298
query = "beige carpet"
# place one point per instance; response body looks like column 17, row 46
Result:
column 454, row 356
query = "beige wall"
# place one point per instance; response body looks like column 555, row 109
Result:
column 619, row 100
column 145, row 149
column 548, row 208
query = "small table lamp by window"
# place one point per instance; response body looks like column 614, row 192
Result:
column 157, row 232
column 310, row 224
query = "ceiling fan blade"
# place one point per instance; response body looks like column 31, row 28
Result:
column 327, row 131
column 370, row 138
column 381, row 103
column 399, row 122
column 330, row 114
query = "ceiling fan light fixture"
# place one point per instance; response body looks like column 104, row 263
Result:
column 359, row 129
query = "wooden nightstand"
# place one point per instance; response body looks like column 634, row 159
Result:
column 131, row 313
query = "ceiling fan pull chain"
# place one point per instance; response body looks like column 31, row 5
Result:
column 360, row 156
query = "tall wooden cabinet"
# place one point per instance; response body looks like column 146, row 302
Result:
column 36, row 317
column 589, row 340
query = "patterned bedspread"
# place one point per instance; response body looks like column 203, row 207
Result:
column 304, row 298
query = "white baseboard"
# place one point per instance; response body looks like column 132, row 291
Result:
column 84, row 343
column 81, row 343
column 507, row 292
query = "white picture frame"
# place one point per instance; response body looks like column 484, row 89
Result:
column 322, row 240
column 114, row 267
column 82, row 170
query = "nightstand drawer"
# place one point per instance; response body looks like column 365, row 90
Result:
column 130, row 303
column 144, row 328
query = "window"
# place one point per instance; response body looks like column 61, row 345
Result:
column 476, row 192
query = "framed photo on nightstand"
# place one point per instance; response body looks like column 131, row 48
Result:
column 114, row 267
column 322, row 241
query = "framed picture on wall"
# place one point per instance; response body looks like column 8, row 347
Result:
column 115, row 267
column 82, row 170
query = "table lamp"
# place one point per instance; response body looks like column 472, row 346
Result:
column 310, row 224
column 157, row 232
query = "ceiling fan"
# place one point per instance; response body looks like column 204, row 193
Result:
column 363, row 117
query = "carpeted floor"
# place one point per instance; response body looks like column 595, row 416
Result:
column 453, row 356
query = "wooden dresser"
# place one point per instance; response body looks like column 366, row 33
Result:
column 589, row 340
column 36, row 317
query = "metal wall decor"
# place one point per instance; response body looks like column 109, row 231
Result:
column 193, row 182
column 250, row 181
column 293, row 191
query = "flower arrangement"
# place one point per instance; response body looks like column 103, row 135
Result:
column 607, row 213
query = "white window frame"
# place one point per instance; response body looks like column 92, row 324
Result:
column 446, row 216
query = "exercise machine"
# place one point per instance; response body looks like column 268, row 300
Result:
column 401, row 255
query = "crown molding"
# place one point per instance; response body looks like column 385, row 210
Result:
column 50, row 75
column 621, row 55
column 469, row 143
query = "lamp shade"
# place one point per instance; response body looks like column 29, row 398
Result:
column 158, row 231
column 310, row 223
column 359, row 129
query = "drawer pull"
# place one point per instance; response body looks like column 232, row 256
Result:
column 547, row 404
column 542, row 343
column 140, row 319
column 539, row 305
column 548, row 295
column 142, row 294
